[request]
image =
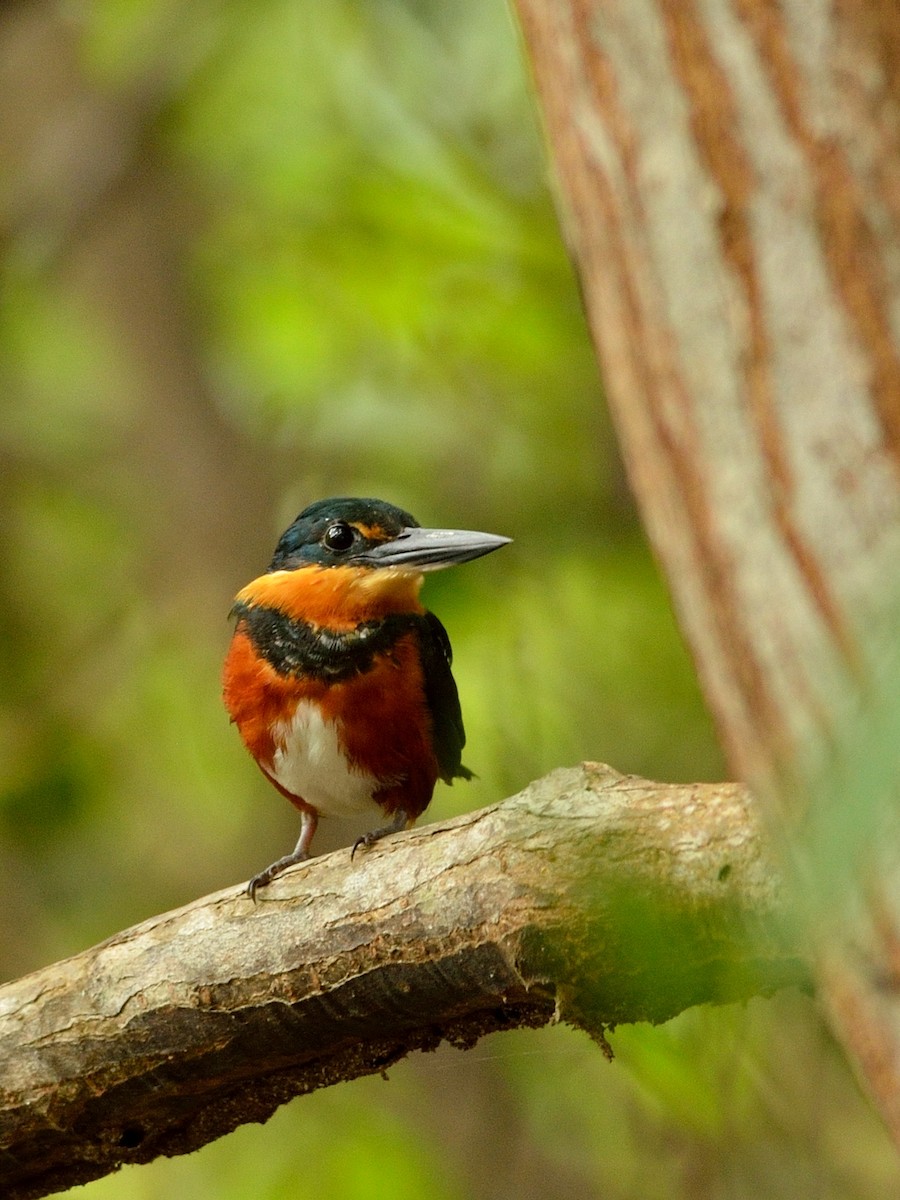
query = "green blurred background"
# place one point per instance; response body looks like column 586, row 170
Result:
column 255, row 253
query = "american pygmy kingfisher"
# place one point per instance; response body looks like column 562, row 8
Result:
column 337, row 677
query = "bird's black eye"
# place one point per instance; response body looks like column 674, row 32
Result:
column 338, row 536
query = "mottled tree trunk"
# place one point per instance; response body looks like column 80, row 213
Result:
column 729, row 177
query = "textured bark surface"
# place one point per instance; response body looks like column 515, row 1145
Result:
column 729, row 175
column 591, row 897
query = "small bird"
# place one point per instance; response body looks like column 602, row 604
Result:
column 337, row 677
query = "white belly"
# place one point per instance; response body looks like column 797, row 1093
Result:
column 309, row 763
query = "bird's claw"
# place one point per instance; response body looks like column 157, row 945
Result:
column 264, row 878
column 375, row 835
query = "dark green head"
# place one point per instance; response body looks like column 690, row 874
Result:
column 345, row 531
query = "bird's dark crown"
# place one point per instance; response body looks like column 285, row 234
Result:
column 340, row 530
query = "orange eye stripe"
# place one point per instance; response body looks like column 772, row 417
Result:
column 373, row 532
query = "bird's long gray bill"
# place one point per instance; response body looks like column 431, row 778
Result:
column 431, row 549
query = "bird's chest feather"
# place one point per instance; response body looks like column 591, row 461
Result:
column 310, row 761
column 338, row 746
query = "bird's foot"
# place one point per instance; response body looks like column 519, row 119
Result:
column 369, row 839
column 264, row 878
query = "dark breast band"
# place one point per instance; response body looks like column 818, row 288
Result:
column 296, row 648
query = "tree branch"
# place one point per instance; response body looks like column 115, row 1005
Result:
column 590, row 897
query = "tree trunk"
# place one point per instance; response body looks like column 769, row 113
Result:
column 591, row 897
column 729, row 178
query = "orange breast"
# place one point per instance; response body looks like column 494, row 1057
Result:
column 256, row 696
column 386, row 726
column 382, row 717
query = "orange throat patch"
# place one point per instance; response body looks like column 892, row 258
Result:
column 337, row 598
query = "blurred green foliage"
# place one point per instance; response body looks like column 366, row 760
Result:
column 258, row 253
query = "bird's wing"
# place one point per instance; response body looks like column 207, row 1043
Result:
column 443, row 699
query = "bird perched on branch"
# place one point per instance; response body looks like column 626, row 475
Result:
column 337, row 677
